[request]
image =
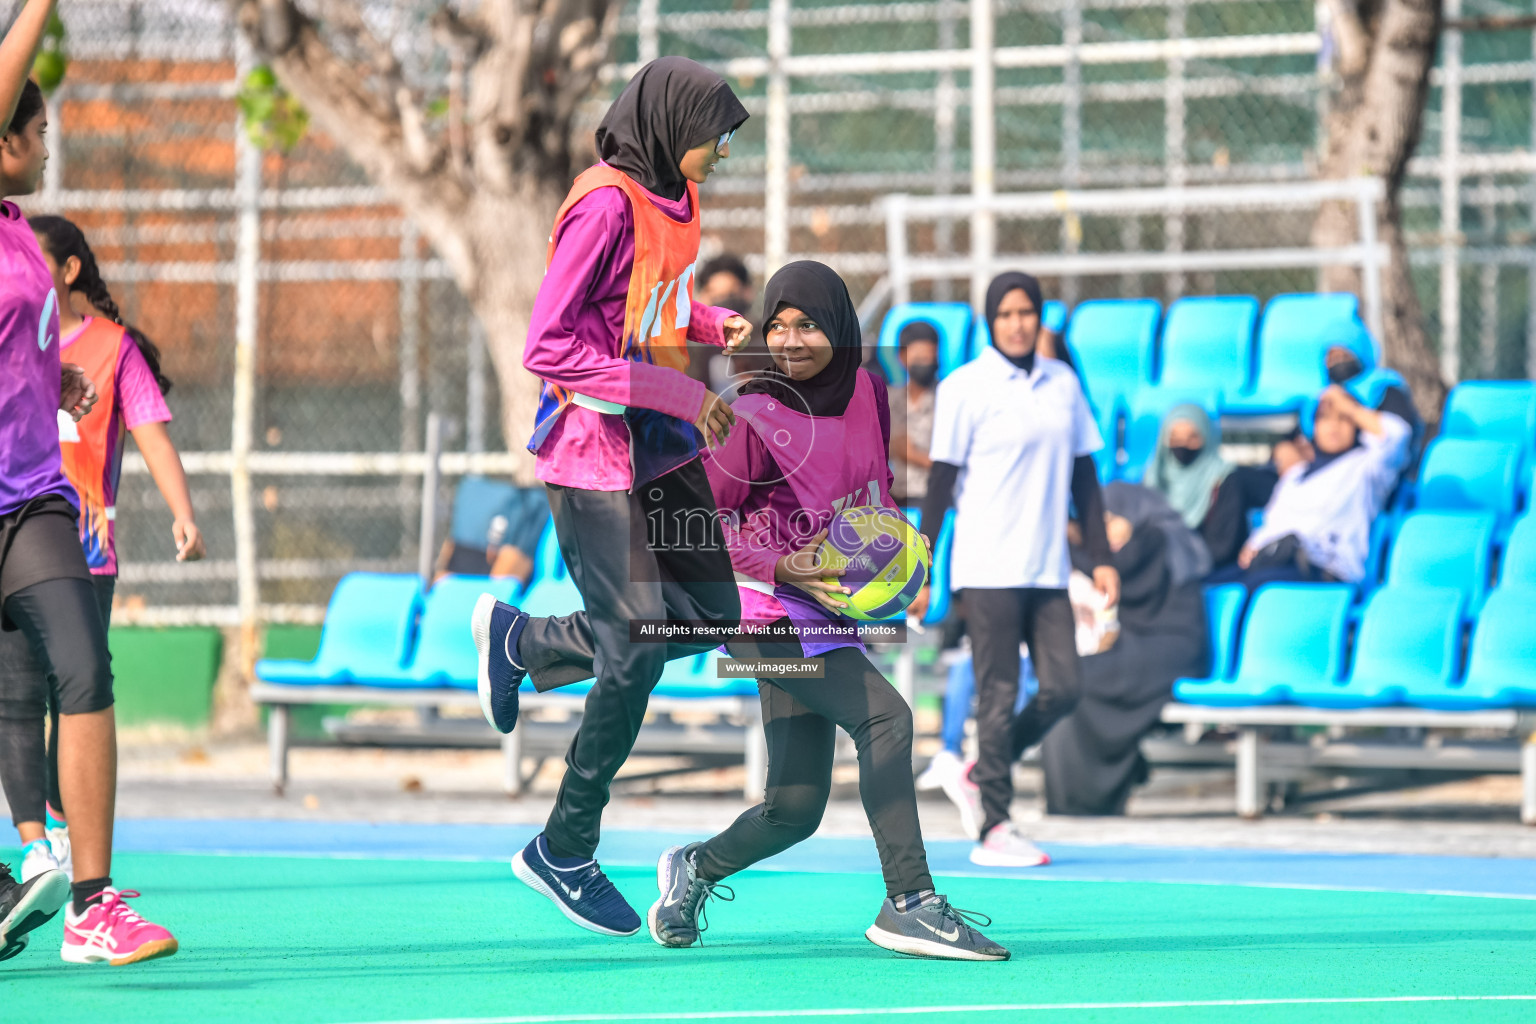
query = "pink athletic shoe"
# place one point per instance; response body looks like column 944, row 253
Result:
column 110, row 931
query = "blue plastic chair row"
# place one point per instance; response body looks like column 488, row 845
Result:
column 962, row 335
column 1407, row 650
column 371, row 635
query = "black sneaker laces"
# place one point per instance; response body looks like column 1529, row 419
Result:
column 968, row 918
column 697, row 898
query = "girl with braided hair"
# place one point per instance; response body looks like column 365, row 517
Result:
column 125, row 367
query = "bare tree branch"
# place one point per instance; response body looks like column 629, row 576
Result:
column 1349, row 36
column 485, row 191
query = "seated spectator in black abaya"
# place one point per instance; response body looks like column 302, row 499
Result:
column 1092, row 759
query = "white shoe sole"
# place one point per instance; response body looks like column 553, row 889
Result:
column 992, row 859
column 45, row 898
column 527, row 876
column 480, row 628
column 970, row 820
column 663, row 883
column 922, row 947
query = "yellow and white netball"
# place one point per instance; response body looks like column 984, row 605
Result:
column 884, row 556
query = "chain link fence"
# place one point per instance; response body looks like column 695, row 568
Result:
column 358, row 332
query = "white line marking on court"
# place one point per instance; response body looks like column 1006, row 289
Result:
column 914, row 1011
column 788, row 869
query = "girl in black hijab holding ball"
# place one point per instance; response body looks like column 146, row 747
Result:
column 812, row 439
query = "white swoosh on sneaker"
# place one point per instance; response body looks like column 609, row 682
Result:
column 670, row 902
column 574, row 894
column 949, row 936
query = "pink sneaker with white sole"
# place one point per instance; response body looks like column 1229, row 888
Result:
column 110, row 932
column 1005, row 847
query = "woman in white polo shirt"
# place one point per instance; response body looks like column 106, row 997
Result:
column 1012, row 440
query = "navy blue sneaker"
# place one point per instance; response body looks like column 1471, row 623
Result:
column 583, row 893
column 496, row 627
column 27, row 905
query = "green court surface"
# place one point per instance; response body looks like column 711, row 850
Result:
column 335, row 940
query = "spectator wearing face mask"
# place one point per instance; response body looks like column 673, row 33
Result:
column 912, row 412
column 1211, row 495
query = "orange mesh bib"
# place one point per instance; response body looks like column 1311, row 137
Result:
column 90, row 460
column 660, row 299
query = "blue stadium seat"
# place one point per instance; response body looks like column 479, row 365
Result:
column 1444, row 549
column 1492, row 410
column 1113, row 342
column 1501, row 668
column 951, row 319
column 1410, row 638
column 1518, row 568
column 551, row 591
column 1294, row 635
column 1207, row 344
column 1462, row 475
column 445, row 652
column 938, row 582
column 1293, row 339
column 369, row 627
column 1224, row 611
column 548, row 560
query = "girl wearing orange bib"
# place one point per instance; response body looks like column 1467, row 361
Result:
column 616, row 438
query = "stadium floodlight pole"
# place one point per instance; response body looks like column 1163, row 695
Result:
column 776, row 192
column 983, row 149
column 242, row 423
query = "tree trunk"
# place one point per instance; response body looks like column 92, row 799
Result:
column 1384, row 52
column 509, row 241
column 483, row 193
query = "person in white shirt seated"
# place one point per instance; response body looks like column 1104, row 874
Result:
column 1317, row 525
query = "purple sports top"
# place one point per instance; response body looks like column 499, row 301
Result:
column 30, row 464
column 780, row 482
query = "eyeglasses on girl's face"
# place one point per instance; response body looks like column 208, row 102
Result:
column 725, row 140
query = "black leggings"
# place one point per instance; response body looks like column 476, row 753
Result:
column 63, row 624
column 800, row 719
column 657, row 554
column 998, row 620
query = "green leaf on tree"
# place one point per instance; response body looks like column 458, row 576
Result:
column 273, row 119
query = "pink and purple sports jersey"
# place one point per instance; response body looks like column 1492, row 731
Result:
column 132, row 400
column 30, row 464
column 784, row 479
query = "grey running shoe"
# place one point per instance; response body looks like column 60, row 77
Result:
column 936, row 930
column 677, row 916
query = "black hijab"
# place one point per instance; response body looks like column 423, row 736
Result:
column 670, row 106
column 1322, row 459
column 816, row 290
column 1001, row 285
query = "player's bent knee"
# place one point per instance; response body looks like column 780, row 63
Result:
column 84, row 682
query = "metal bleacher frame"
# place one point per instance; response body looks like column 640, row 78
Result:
column 1250, row 745
column 530, row 738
